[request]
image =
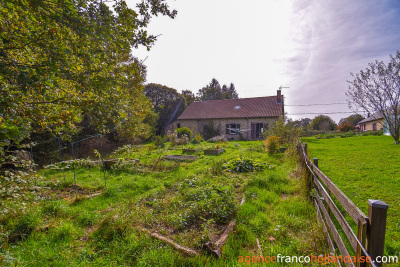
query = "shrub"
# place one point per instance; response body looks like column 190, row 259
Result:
column 345, row 127
column 159, row 141
column 271, row 144
column 208, row 201
column 184, row 130
column 210, row 131
column 216, row 139
column 287, row 132
column 245, row 165
column 126, row 150
column 197, row 139
column 175, row 140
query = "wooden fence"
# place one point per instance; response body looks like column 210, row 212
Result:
column 370, row 237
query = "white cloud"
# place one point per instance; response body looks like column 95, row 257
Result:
column 310, row 46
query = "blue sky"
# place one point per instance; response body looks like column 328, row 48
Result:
column 309, row 46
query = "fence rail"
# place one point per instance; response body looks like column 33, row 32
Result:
column 326, row 196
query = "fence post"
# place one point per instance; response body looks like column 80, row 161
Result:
column 315, row 161
column 377, row 213
column 61, row 156
column 306, row 148
column 73, row 167
column 102, row 162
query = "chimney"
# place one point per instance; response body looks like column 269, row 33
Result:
column 279, row 97
column 368, row 115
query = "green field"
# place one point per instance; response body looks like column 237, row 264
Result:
column 190, row 203
column 365, row 167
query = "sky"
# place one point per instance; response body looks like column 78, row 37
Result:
column 310, row 46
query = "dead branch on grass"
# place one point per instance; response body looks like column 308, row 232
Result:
column 216, row 248
column 171, row 242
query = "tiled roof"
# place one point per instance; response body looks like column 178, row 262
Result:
column 234, row 108
column 373, row 117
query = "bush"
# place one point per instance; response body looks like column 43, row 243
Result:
column 216, row 139
column 287, row 132
column 245, row 165
column 210, row 131
column 271, row 144
column 345, row 127
column 175, row 140
column 184, row 130
column 159, row 141
column 207, row 200
column 197, row 139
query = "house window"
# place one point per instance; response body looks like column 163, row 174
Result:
column 178, row 125
column 232, row 128
column 374, row 127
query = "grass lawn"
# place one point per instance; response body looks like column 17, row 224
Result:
column 189, row 202
column 365, row 167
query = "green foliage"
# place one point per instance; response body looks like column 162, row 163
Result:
column 68, row 164
column 159, row 141
column 210, row 131
column 272, row 144
column 207, row 201
column 322, row 123
column 287, row 132
column 175, row 140
column 246, row 165
column 214, row 91
column 348, row 134
column 167, row 102
column 352, row 119
column 65, row 60
column 197, row 139
column 184, row 130
column 124, row 165
column 126, row 150
column 345, row 127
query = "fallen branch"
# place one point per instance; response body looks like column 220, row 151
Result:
column 171, row 242
column 216, row 248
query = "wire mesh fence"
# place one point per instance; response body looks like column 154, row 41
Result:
column 68, row 156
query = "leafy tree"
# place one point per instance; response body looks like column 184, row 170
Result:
column 167, row 102
column 188, row 96
column 60, row 59
column 377, row 89
column 232, row 91
column 352, row 119
column 214, row 91
column 64, row 60
column 322, row 123
column 302, row 124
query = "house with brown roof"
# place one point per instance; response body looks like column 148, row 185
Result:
column 245, row 118
column 373, row 122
